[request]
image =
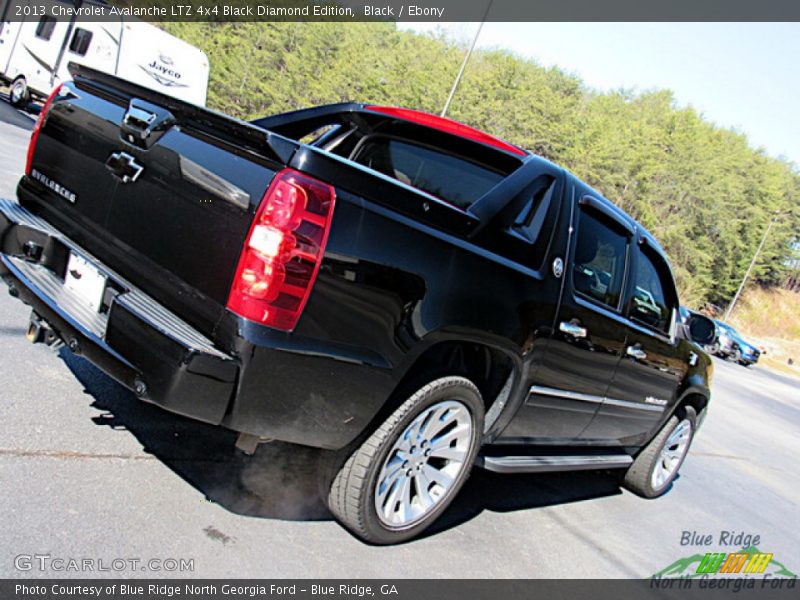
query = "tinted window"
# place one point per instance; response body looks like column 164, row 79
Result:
column 449, row 177
column 599, row 263
column 80, row 41
column 650, row 304
column 45, row 27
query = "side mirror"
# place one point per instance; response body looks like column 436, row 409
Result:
column 700, row 329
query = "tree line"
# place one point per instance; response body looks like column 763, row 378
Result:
column 704, row 192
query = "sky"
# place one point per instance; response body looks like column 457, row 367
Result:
column 744, row 76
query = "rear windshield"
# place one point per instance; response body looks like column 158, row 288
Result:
column 456, row 180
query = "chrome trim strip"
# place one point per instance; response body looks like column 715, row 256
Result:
column 7, row 261
column 46, row 283
column 133, row 299
column 636, row 405
column 546, row 391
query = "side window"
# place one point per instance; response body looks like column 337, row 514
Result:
column 652, row 301
column 80, row 41
column 44, row 29
column 599, row 261
column 456, row 180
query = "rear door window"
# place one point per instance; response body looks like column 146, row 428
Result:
column 453, row 179
column 601, row 251
column 652, row 300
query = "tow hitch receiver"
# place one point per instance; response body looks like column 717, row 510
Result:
column 39, row 331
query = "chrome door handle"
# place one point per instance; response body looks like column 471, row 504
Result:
column 636, row 352
column 572, row 329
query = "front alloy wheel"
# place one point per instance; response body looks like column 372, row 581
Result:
column 657, row 465
column 672, row 455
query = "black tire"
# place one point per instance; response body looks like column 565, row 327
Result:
column 639, row 477
column 352, row 494
column 19, row 95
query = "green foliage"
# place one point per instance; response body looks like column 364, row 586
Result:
column 702, row 190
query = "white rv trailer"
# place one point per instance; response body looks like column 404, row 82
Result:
column 35, row 51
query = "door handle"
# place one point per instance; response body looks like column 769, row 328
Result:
column 572, row 329
column 636, row 352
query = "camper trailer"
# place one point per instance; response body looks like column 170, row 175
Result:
column 36, row 49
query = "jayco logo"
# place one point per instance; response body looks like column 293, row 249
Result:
column 164, row 69
column 161, row 70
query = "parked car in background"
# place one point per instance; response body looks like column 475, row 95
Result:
column 732, row 346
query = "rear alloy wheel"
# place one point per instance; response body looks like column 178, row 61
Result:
column 423, row 465
column 407, row 472
column 657, row 465
column 19, row 95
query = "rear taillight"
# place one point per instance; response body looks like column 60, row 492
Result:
column 38, row 127
column 283, row 251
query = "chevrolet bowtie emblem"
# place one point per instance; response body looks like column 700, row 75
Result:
column 124, row 167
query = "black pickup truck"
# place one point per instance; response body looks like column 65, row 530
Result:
column 409, row 293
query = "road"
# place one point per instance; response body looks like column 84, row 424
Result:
column 87, row 471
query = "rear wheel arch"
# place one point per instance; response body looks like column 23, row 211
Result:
column 489, row 368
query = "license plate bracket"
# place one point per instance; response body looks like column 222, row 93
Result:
column 85, row 280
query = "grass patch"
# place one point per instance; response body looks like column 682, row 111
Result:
column 770, row 318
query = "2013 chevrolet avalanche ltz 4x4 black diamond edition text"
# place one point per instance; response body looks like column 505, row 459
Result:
column 411, row 294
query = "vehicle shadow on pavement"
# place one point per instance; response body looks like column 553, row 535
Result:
column 501, row 493
column 281, row 481
column 278, row 482
column 12, row 116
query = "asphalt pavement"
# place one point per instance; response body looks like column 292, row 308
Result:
column 88, row 472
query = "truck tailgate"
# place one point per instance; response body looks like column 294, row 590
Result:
column 160, row 190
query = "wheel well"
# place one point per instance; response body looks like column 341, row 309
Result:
column 696, row 401
column 486, row 367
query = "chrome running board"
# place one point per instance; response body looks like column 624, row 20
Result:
column 548, row 464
